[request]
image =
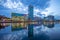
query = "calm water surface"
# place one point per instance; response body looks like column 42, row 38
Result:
column 40, row 33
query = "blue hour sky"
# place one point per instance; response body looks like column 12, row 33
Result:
column 46, row 7
column 41, row 7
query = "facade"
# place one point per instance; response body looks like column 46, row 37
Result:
column 3, row 19
column 49, row 21
column 50, row 17
column 30, row 26
column 19, row 19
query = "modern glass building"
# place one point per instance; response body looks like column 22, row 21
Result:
column 30, row 26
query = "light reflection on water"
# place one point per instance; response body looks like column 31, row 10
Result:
column 52, row 33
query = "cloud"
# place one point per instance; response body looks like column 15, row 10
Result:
column 2, row 1
column 42, row 4
column 38, row 13
column 20, row 7
column 16, row 6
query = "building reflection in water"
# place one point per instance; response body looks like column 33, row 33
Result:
column 21, row 22
column 25, row 24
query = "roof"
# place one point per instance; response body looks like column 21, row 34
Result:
column 17, row 14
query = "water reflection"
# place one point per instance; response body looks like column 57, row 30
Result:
column 24, row 24
column 41, row 32
column 23, row 34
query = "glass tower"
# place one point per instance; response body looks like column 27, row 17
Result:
column 30, row 26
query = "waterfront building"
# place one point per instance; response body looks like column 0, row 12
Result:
column 20, row 21
column 49, row 21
